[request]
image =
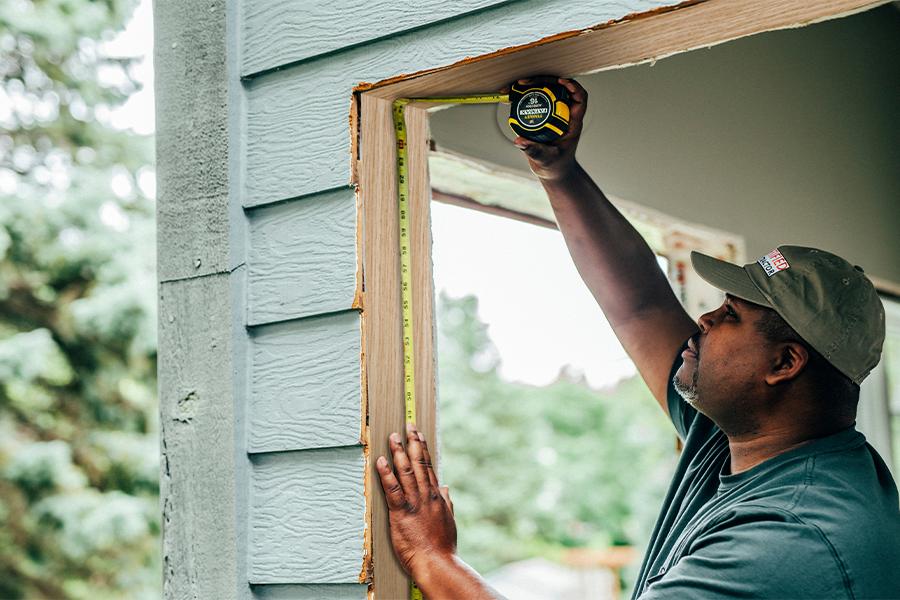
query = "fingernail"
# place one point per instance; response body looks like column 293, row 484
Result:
column 410, row 428
column 381, row 463
column 421, row 437
column 395, row 437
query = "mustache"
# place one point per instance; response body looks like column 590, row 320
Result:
column 694, row 343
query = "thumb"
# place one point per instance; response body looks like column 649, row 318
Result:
column 445, row 492
column 540, row 153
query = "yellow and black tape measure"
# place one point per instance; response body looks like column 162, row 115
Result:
column 528, row 119
column 539, row 110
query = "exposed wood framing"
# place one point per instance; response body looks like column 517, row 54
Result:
column 691, row 25
column 622, row 44
column 381, row 312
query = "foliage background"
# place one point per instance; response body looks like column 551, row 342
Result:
column 78, row 434
column 534, row 471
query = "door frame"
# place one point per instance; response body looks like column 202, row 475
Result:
column 635, row 39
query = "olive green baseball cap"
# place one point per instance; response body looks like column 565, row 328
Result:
column 830, row 303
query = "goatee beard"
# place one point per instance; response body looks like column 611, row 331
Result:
column 688, row 392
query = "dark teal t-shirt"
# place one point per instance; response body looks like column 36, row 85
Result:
column 818, row 521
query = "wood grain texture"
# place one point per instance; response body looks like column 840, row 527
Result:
column 303, row 257
column 197, row 470
column 305, row 385
column 278, row 32
column 381, row 316
column 307, row 516
column 634, row 41
column 297, row 130
column 339, row 591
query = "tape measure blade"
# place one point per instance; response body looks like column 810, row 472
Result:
column 406, row 290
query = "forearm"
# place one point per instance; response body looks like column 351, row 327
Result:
column 613, row 259
column 451, row 579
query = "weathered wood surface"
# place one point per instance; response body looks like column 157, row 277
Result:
column 307, row 516
column 335, row 591
column 303, row 257
column 191, row 140
column 297, row 126
column 279, row 32
column 305, row 384
column 381, row 315
column 197, row 470
column 635, row 41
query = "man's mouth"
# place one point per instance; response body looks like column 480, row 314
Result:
column 692, row 346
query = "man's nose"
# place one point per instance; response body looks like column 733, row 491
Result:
column 707, row 320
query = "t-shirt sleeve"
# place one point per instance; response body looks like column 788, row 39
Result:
column 755, row 557
column 681, row 413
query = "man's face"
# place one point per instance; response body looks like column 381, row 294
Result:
column 724, row 366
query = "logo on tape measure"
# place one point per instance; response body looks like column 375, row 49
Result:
column 534, row 109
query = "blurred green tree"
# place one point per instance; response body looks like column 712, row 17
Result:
column 78, row 419
column 534, row 471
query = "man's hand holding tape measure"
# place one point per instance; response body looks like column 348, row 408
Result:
column 555, row 160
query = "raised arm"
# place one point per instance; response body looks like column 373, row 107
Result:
column 614, row 261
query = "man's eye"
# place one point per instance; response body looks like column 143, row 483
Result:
column 730, row 312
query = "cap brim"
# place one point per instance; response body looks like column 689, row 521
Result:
column 728, row 278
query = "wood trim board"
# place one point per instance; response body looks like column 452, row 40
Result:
column 637, row 39
column 383, row 364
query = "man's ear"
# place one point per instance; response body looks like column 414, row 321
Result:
column 788, row 361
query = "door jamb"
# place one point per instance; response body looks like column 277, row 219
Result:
column 636, row 39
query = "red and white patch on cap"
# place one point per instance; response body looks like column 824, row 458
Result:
column 773, row 262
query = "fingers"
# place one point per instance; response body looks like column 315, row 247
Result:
column 393, row 493
column 420, row 465
column 404, row 470
column 576, row 92
column 445, row 492
column 578, row 98
column 540, row 153
column 429, row 466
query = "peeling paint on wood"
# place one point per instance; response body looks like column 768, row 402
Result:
column 197, row 478
column 366, row 86
column 305, row 386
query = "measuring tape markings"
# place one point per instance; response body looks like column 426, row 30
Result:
column 409, row 380
column 403, row 200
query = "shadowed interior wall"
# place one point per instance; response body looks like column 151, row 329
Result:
column 783, row 137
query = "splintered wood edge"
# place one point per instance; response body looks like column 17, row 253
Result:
column 382, row 356
column 633, row 39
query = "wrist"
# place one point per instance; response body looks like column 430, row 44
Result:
column 560, row 173
column 432, row 569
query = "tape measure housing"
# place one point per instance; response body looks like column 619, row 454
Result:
column 539, row 110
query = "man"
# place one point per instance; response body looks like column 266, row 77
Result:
column 775, row 495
